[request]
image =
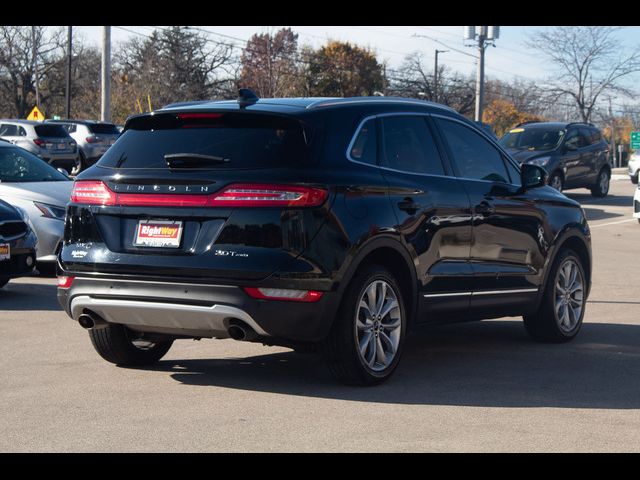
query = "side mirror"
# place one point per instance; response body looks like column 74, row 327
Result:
column 63, row 171
column 532, row 176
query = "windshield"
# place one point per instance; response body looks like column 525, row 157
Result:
column 534, row 139
column 18, row 165
column 238, row 140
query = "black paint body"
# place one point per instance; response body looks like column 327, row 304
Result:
column 446, row 238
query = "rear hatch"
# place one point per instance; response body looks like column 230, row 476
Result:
column 216, row 194
column 54, row 139
column 103, row 134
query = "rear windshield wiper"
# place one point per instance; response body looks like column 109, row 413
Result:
column 192, row 160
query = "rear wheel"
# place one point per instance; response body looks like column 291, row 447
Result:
column 555, row 181
column 601, row 187
column 367, row 337
column 561, row 311
column 79, row 166
column 122, row 346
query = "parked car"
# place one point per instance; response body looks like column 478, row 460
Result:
column 636, row 204
column 329, row 224
column 18, row 244
column 39, row 190
column 573, row 154
column 93, row 139
column 634, row 167
column 49, row 142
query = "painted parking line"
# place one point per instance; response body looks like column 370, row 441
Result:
column 614, row 223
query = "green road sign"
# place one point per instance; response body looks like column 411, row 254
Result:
column 635, row 140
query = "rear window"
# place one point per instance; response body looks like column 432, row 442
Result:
column 50, row 131
column 103, row 128
column 243, row 140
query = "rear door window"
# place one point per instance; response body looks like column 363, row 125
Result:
column 7, row 130
column 238, row 140
column 409, row 146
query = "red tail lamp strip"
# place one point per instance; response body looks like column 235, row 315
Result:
column 307, row 296
column 235, row 195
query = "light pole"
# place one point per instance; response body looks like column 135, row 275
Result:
column 480, row 37
column 435, row 76
column 105, row 113
column 68, row 76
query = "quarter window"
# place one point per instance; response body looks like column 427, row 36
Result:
column 409, row 146
column 474, row 156
column 364, row 148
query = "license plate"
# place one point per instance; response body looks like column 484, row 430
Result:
column 62, row 146
column 158, row 233
column 5, row 251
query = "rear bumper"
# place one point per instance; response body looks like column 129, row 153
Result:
column 197, row 310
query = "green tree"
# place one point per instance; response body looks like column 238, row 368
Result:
column 340, row 69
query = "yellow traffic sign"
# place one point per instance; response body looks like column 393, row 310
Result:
column 36, row 115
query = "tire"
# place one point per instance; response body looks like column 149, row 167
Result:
column 601, row 187
column 115, row 344
column 3, row 282
column 634, row 178
column 556, row 181
column 80, row 166
column 341, row 348
column 549, row 324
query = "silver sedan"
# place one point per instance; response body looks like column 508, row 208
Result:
column 40, row 190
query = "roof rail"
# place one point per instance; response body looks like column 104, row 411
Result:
column 580, row 123
column 528, row 121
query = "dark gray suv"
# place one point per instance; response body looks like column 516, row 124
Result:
column 574, row 154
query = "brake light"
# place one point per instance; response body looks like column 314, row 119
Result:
column 65, row 282
column 92, row 193
column 283, row 294
column 236, row 195
column 91, row 139
column 198, row 116
column 268, row 195
column 38, row 141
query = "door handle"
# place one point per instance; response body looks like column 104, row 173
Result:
column 485, row 208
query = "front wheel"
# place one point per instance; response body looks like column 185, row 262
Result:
column 367, row 337
column 556, row 181
column 561, row 311
column 122, row 346
column 601, row 187
column 634, row 178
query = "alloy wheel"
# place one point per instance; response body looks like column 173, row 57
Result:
column 569, row 295
column 378, row 325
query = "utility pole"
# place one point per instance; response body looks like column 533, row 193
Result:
column 484, row 36
column 35, row 64
column 105, row 111
column 68, row 79
column 435, row 76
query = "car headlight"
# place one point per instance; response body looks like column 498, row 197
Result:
column 51, row 211
column 540, row 161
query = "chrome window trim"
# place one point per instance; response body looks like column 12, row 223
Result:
column 368, row 101
column 380, row 167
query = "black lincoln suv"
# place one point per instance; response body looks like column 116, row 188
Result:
column 330, row 225
column 575, row 155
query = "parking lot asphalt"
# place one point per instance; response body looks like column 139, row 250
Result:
column 468, row 387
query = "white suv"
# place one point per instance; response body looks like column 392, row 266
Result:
column 634, row 167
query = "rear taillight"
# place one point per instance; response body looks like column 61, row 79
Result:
column 91, row 139
column 283, row 294
column 65, row 282
column 38, row 141
column 267, row 195
column 237, row 195
column 92, row 193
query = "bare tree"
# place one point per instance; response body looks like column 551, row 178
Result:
column 414, row 80
column 17, row 73
column 590, row 62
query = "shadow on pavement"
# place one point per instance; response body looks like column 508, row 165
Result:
column 28, row 296
column 486, row 364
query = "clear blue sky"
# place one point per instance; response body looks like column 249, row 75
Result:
column 508, row 60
